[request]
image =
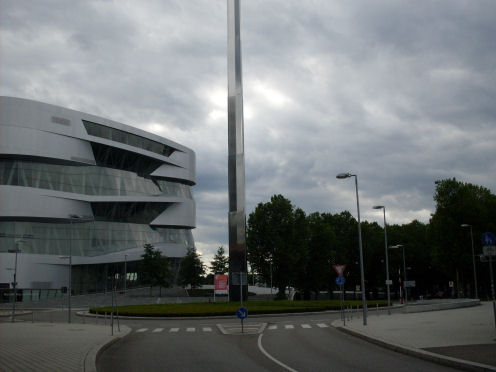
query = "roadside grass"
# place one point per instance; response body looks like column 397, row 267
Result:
column 229, row 308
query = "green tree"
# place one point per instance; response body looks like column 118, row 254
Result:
column 271, row 239
column 192, row 269
column 220, row 262
column 459, row 203
column 154, row 269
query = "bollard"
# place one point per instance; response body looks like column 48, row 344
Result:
column 105, row 319
column 377, row 307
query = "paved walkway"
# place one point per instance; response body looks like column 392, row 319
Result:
column 26, row 347
column 465, row 333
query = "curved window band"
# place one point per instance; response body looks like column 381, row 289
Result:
column 93, row 238
column 86, row 180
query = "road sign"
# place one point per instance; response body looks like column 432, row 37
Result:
column 488, row 238
column 410, row 283
column 389, row 282
column 489, row 250
column 242, row 313
column 339, row 269
column 340, row 280
column 239, row 278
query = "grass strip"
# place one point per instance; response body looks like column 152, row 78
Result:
column 229, row 308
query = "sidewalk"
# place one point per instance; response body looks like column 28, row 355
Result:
column 26, row 346
column 463, row 338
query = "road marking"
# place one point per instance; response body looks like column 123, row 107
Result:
column 322, row 325
column 173, row 330
column 207, row 329
column 306, row 326
column 271, row 357
column 271, row 327
column 142, row 330
column 289, row 326
column 156, row 330
column 190, row 329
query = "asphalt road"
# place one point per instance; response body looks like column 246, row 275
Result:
column 290, row 343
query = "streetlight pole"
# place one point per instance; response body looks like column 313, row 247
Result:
column 362, row 278
column 473, row 257
column 125, row 274
column 387, row 262
column 404, row 268
column 16, row 250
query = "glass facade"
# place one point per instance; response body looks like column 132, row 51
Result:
column 117, row 135
column 86, row 238
column 87, row 180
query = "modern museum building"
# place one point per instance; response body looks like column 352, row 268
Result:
column 80, row 195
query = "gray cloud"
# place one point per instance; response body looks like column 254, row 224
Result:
column 401, row 93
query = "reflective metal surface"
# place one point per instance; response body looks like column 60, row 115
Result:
column 236, row 156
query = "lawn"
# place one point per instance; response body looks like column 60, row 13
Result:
column 229, row 308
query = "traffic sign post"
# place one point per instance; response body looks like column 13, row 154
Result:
column 242, row 313
column 340, row 280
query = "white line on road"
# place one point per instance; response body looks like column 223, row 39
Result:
column 156, row 330
column 142, row 330
column 191, row 329
column 272, row 327
column 271, row 357
column 173, row 330
column 289, row 326
column 322, row 325
column 207, row 329
column 306, row 326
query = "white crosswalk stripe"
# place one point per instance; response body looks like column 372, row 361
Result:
column 156, row 330
column 142, row 330
column 272, row 327
column 289, row 326
column 207, row 329
column 174, row 330
column 306, row 326
column 191, row 329
column 322, row 325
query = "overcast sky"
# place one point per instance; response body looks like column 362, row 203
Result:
column 401, row 93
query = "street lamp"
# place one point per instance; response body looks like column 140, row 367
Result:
column 473, row 256
column 362, row 279
column 271, row 257
column 16, row 250
column 125, row 273
column 404, row 267
column 72, row 217
column 386, row 250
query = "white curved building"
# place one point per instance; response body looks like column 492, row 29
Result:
column 78, row 184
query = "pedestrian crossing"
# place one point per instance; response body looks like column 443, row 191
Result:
column 206, row 329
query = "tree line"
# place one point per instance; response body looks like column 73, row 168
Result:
column 289, row 248
column 294, row 249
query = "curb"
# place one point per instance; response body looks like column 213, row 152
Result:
column 419, row 353
column 309, row 313
column 93, row 354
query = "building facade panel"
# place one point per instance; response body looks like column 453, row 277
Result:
column 74, row 183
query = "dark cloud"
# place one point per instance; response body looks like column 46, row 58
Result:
column 400, row 93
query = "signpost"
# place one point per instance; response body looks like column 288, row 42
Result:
column 242, row 313
column 340, row 280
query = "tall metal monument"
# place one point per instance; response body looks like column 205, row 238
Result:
column 238, row 285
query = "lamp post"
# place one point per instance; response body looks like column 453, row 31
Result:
column 387, row 262
column 72, row 218
column 125, row 274
column 270, row 263
column 473, row 257
column 16, row 250
column 362, row 279
column 404, row 268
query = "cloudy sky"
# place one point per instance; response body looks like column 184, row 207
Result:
column 401, row 93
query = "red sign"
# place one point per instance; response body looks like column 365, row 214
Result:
column 339, row 269
column 221, row 282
